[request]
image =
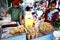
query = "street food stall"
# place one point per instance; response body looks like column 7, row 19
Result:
column 35, row 28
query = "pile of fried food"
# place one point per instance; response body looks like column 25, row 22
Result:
column 32, row 33
column 17, row 30
column 46, row 27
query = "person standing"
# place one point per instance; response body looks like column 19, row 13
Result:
column 51, row 14
column 15, row 11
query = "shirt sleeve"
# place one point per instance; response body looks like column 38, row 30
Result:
column 21, row 12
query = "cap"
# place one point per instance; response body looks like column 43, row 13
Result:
column 16, row 2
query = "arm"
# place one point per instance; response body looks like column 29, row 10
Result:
column 21, row 21
column 7, row 12
column 57, row 16
column 21, row 17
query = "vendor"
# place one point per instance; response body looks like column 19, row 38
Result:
column 51, row 14
column 15, row 11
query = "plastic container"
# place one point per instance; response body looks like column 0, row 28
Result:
column 56, row 35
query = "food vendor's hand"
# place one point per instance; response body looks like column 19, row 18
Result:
column 22, row 22
column 5, row 14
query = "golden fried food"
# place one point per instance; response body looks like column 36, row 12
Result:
column 12, row 32
column 17, row 30
column 46, row 27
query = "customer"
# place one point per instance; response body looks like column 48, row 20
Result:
column 28, row 18
column 16, row 12
column 40, row 6
column 51, row 14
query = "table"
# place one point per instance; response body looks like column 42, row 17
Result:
column 6, row 22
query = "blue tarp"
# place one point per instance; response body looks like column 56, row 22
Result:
column 23, row 37
column 20, row 37
column 47, row 37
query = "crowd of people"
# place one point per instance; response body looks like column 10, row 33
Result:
column 50, row 14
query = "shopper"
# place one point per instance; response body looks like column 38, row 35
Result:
column 15, row 11
column 51, row 14
column 40, row 6
column 28, row 18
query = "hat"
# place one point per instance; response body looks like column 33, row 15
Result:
column 16, row 2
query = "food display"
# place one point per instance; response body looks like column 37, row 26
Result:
column 17, row 30
column 30, row 19
column 46, row 27
column 32, row 33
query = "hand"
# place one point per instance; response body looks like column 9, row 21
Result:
column 56, row 19
column 49, row 18
column 22, row 22
column 5, row 14
column 59, row 17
